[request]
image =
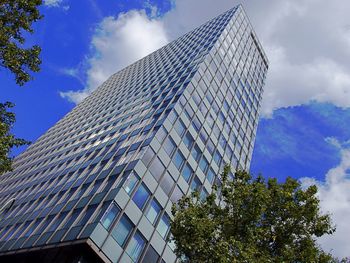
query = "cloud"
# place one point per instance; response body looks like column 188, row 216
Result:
column 334, row 194
column 117, row 43
column 321, row 80
column 278, row 150
column 307, row 42
column 52, row 3
column 56, row 3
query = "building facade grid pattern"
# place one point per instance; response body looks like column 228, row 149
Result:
column 111, row 169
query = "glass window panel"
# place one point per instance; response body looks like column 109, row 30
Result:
column 167, row 183
column 130, row 183
column 178, row 159
column 188, row 140
column 57, row 221
column 196, row 152
column 32, row 227
column 176, row 195
column 110, row 215
column 161, row 134
column 204, row 194
column 217, row 157
column 157, row 168
column 203, row 164
column 210, row 146
column 141, row 196
column 180, row 127
column 23, row 227
column 169, row 146
column 87, row 214
column 135, row 246
column 211, row 176
column 148, row 156
column 196, row 124
column 164, row 225
column 203, row 135
column 153, row 211
column 45, row 224
column 122, row 230
column 72, row 218
column 151, row 256
column 195, row 185
column 187, row 172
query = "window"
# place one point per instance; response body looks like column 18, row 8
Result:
column 32, row 227
column 58, row 221
column 20, row 231
column 216, row 131
column 176, row 195
column 178, row 159
column 210, row 146
column 148, row 156
column 211, row 176
column 95, row 187
column 157, row 168
column 151, row 256
column 196, row 124
column 196, row 152
column 180, row 127
column 121, row 231
column 203, row 164
column 108, row 184
column 188, row 140
column 130, row 183
column 187, row 172
column 141, row 196
column 169, row 146
column 153, row 211
column 110, row 215
column 161, row 134
column 87, row 214
column 167, row 183
column 203, row 135
column 135, row 247
column 195, row 185
column 217, row 157
column 72, row 218
column 164, row 225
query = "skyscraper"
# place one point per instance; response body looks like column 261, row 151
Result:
column 99, row 185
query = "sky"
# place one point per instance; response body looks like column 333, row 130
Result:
column 304, row 129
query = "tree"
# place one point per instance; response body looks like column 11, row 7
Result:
column 7, row 140
column 16, row 17
column 254, row 220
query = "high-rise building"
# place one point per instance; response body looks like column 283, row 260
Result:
column 99, row 185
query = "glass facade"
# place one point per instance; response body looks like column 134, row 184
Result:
column 108, row 172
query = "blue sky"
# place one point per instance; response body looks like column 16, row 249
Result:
column 304, row 131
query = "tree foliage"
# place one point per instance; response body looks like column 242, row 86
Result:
column 253, row 221
column 7, row 140
column 16, row 18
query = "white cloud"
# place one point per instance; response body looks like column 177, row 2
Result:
column 334, row 194
column 52, row 3
column 56, row 3
column 117, row 43
column 289, row 84
column 307, row 42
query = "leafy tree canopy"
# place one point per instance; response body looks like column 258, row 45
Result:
column 7, row 140
column 253, row 221
column 16, row 18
